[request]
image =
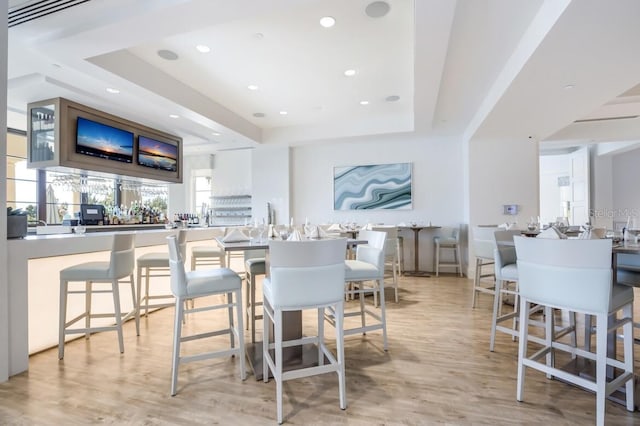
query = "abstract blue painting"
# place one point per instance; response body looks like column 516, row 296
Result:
column 378, row 186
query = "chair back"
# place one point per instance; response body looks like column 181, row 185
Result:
column 306, row 273
column 374, row 251
column 176, row 266
column 123, row 257
column 573, row 274
column 182, row 243
column 391, row 243
column 484, row 242
column 504, row 253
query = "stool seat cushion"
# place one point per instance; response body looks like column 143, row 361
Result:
column 211, row 281
column 509, row 272
column 256, row 265
column 207, row 251
column 89, row 271
column 359, row 270
column 153, row 260
column 445, row 241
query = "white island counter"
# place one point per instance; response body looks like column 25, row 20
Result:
column 34, row 265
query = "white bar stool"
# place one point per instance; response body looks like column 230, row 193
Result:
column 199, row 284
column 451, row 242
column 156, row 265
column 254, row 264
column 119, row 266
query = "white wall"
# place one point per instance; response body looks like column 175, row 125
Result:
column 626, row 191
column 602, row 191
column 438, row 184
column 502, row 172
column 270, row 169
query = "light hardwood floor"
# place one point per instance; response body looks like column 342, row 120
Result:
column 438, row 370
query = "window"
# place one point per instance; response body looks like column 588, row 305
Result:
column 202, row 194
column 21, row 182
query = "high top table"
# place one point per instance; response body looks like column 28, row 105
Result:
column 416, row 250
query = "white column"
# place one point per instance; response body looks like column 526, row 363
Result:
column 4, row 285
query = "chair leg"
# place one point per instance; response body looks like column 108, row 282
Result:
column 320, row 343
column 363, row 317
column 118, row 312
column 146, row 292
column 459, row 259
column 177, row 332
column 278, row 373
column 437, row 265
column 266, row 317
column 62, row 317
column 549, row 327
column 136, row 306
column 230, row 312
column 383, row 316
column 628, row 355
column 87, row 308
column 339, row 318
column 522, row 347
column 476, row 281
column 247, row 306
column 601, row 367
column 139, row 288
column 239, row 330
column 252, row 294
column 494, row 317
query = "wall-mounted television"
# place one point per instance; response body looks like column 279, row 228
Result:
column 101, row 140
column 157, row 154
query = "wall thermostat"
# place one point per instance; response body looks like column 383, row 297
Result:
column 511, row 209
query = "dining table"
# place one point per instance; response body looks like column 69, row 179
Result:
column 293, row 357
column 416, row 272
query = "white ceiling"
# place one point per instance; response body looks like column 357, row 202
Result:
column 461, row 69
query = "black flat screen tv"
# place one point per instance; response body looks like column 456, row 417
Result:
column 157, row 154
column 100, row 140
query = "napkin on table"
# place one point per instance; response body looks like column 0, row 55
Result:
column 295, row 235
column 552, row 233
column 334, row 227
column 235, row 236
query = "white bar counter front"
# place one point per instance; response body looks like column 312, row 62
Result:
column 34, row 266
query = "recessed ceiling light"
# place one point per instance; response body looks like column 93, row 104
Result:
column 112, row 90
column 392, row 98
column 167, row 54
column 569, row 86
column 377, row 9
column 215, row 133
column 252, row 87
column 258, row 114
column 364, row 102
column 327, row 21
column 258, row 36
column 173, row 116
column 203, row 48
column 350, row 73
column 283, row 113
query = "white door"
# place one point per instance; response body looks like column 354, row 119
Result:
column 579, row 195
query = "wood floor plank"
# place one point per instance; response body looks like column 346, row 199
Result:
column 438, row 370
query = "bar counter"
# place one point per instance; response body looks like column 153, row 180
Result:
column 35, row 262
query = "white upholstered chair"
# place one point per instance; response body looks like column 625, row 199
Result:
column 198, row 284
column 448, row 240
column 576, row 275
column 506, row 273
column 391, row 256
column 115, row 271
column 254, row 264
column 483, row 249
column 367, row 270
column 304, row 275
column 156, row 265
